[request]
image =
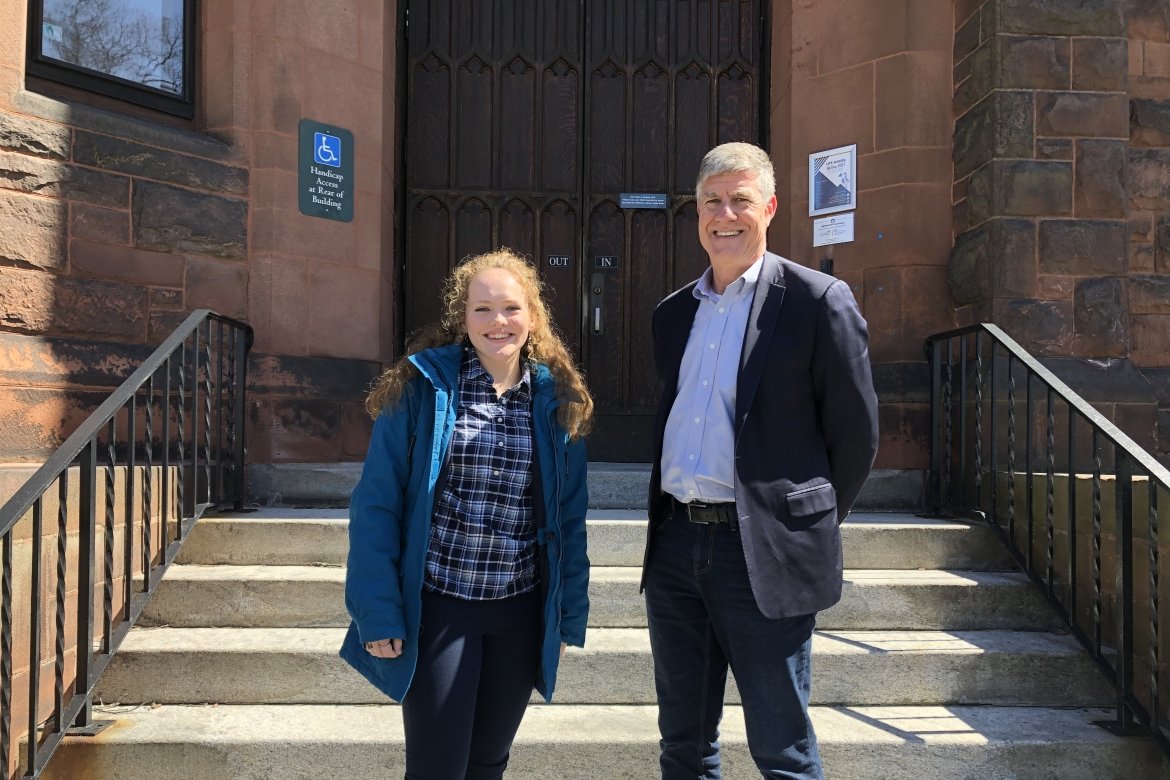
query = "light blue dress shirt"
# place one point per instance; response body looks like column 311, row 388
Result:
column 698, row 448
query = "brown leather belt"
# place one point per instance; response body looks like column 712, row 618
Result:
column 706, row 514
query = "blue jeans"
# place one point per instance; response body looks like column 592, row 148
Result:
column 703, row 618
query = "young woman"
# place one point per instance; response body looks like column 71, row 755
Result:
column 467, row 571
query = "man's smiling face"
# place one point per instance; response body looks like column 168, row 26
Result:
column 733, row 220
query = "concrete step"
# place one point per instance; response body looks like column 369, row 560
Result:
column 874, row 599
column 300, row 666
column 611, row 486
column 304, row 742
column 293, row 537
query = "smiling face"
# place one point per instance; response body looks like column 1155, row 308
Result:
column 733, row 221
column 498, row 320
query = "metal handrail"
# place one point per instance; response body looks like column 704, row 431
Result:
column 202, row 368
column 975, row 471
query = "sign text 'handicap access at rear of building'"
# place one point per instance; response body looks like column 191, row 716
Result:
column 325, row 171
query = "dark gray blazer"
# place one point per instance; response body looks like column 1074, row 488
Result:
column 806, row 429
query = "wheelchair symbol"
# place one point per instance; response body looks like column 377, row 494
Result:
column 327, row 149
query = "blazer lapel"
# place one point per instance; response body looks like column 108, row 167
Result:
column 761, row 324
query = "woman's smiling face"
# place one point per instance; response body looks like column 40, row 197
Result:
column 498, row 318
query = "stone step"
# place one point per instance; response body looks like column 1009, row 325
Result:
column 874, row 599
column 293, row 537
column 611, row 486
column 300, row 666
column 305, row 742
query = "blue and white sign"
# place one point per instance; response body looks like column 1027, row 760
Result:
column 325, row 183
column 327, row 149
column 644, row 200
column 832, row 180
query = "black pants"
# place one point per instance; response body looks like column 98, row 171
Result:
column 477, row 665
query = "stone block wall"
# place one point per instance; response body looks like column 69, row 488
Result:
column 107, row 243
column 1148, row 30
column 1059, row 184
column 875, row 74
column 116, row 222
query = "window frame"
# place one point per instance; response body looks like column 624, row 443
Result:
column 52, row 69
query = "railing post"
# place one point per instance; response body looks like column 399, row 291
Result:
column 218, row 410
column 979, row 502
column 963, row 421
column 192, row 497
column 164, row 501
column 934, row 351
column 1072, row 514
column 5, row 649
column 1154, row 653
column 34, row 647
column 1029, row 443
column 240, row 412
column 1123, row 502
column 993, row 448
column 87, row 538
column 131, row 468
column 208, row 392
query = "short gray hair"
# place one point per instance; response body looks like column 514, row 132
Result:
column 736, row 158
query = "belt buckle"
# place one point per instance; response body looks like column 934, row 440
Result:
column 694, row 505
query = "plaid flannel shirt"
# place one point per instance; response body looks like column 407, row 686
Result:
column 483, row 534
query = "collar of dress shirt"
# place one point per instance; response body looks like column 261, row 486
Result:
column 473, row 368
column 746, row 281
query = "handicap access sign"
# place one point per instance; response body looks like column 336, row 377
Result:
column 327, row 149
column 325, row 171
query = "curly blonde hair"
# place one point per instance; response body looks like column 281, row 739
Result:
column 543, row 346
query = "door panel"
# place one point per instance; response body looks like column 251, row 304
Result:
column 527, row 119
column 493, row 151
column 657, row 75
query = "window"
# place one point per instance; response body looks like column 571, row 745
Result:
column 141, row 51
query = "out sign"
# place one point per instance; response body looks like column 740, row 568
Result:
column 558, row 261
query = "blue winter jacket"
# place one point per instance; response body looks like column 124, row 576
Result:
column 390, row 519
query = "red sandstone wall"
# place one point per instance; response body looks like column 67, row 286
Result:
column 876, row 74
column 116, row 222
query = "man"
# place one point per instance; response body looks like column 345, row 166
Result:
column 766, row 430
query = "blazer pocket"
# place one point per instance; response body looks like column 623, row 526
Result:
column 811, row 499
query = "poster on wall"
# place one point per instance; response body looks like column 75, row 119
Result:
column 832, row 180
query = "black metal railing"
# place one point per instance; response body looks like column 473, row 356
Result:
column 1075, row 500
column 165, row 446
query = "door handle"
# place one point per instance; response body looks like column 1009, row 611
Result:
column 596, row 301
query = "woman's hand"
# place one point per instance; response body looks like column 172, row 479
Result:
column 389, row 648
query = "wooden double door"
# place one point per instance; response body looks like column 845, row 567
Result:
column 527, row 121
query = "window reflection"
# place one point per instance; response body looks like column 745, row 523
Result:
column 136, row 40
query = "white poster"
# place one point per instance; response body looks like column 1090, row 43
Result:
column 832, row 180
column 833, row 230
